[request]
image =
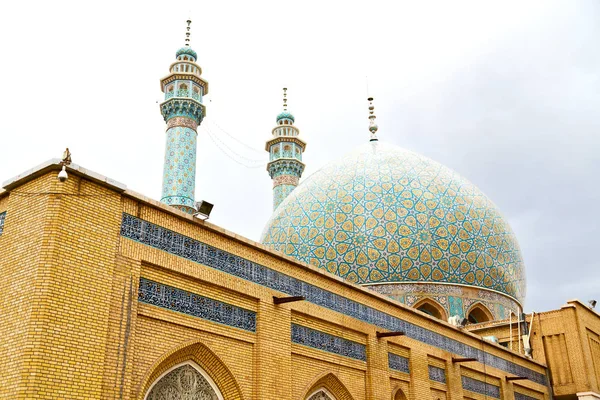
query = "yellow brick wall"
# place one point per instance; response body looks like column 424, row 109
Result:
column 79, row 332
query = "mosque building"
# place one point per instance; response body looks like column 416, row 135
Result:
column 382, row 276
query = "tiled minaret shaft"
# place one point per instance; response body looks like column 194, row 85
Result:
column 183, row 111
column 285, row 155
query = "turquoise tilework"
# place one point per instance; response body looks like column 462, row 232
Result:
column 384, row 214
column 455, row 305
column 280, row 193
column 179, row 175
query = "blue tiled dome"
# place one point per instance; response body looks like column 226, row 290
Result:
column 187, row 50
column 382, row 214
column 285, row 114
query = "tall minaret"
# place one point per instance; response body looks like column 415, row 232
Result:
column 285, row 155
column 183, row 112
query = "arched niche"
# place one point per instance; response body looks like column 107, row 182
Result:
column 321, row 394
column 399, row 395
column 431, row 307
column 185, row 381
column 327, row 387
column 203, row 360
column 479, row 313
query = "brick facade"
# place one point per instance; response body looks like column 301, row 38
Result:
column 71, row 324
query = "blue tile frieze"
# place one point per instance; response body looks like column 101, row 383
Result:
column 2, row 218
column 193, row 250
column 521, row 396
column 398, row 363
column 326, row 342
column 437, row 374
column 185, row 302
column 474, row 385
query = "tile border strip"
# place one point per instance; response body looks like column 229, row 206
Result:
column 521, row 396
column 191, row 249
column 477, row 386
column 326, row 342
column 2, row 219
column 437, row 374
column 174, row 299
column 398, row 363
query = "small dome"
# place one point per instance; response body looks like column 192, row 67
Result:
column 385, row 215
column 187, row 50
column 285, row 114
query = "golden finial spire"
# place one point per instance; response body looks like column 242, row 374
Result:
column 285, row 99
column 372, row 124
column 187, row 33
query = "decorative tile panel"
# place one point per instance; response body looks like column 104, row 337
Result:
column 193, row 250
column 437, row 374
column 521, row 396
column 179, row 175
column 398, row 363
column 487, row 389
column 383, row 214
column 2, row 218
column 158, row 294
column 326, row 342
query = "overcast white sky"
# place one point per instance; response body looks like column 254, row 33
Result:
column 507, row 93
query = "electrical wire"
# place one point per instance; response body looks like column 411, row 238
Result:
column 232, row 154
column 232, row 137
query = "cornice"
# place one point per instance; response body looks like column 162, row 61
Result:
column 183, row 76
column 280, row 139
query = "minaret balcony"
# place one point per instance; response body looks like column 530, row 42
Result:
column 184, row 93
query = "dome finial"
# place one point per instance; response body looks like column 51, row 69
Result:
column 187, row 33
column 372, row 125
column 284, row 99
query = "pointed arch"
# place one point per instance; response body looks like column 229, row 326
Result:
column 399, row 395
column 321, row 394
column 431, row 307
column 330, row 385
column 203, row 360
column 479, row 313
column 187, row 378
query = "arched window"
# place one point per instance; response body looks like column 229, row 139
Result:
column 479, row 313
column 182, row 86
column 185, row 381
column 431, row 307
column 321, row 394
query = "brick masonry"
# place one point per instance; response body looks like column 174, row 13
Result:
column 72, row 326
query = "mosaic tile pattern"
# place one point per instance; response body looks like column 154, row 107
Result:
column 326, row 342
column 455, row 306
column 185, row 302
column 521, row 396
column 285, row 174
column 384, row 214
column 455, row 300
column 179, row 175
column 398, row 363
column 437, row 374
column 2, row 218
column 180, row 245
column 487, row 389
column 280, row 192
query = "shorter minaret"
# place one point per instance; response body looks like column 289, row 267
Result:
column 372, row 125
column 183, row 111
column 285, row 155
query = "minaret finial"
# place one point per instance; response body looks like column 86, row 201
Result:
column 285, row 99
column 187, row 33
column 372, row 124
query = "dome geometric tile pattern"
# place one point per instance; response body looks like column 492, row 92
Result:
column 383, row 214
